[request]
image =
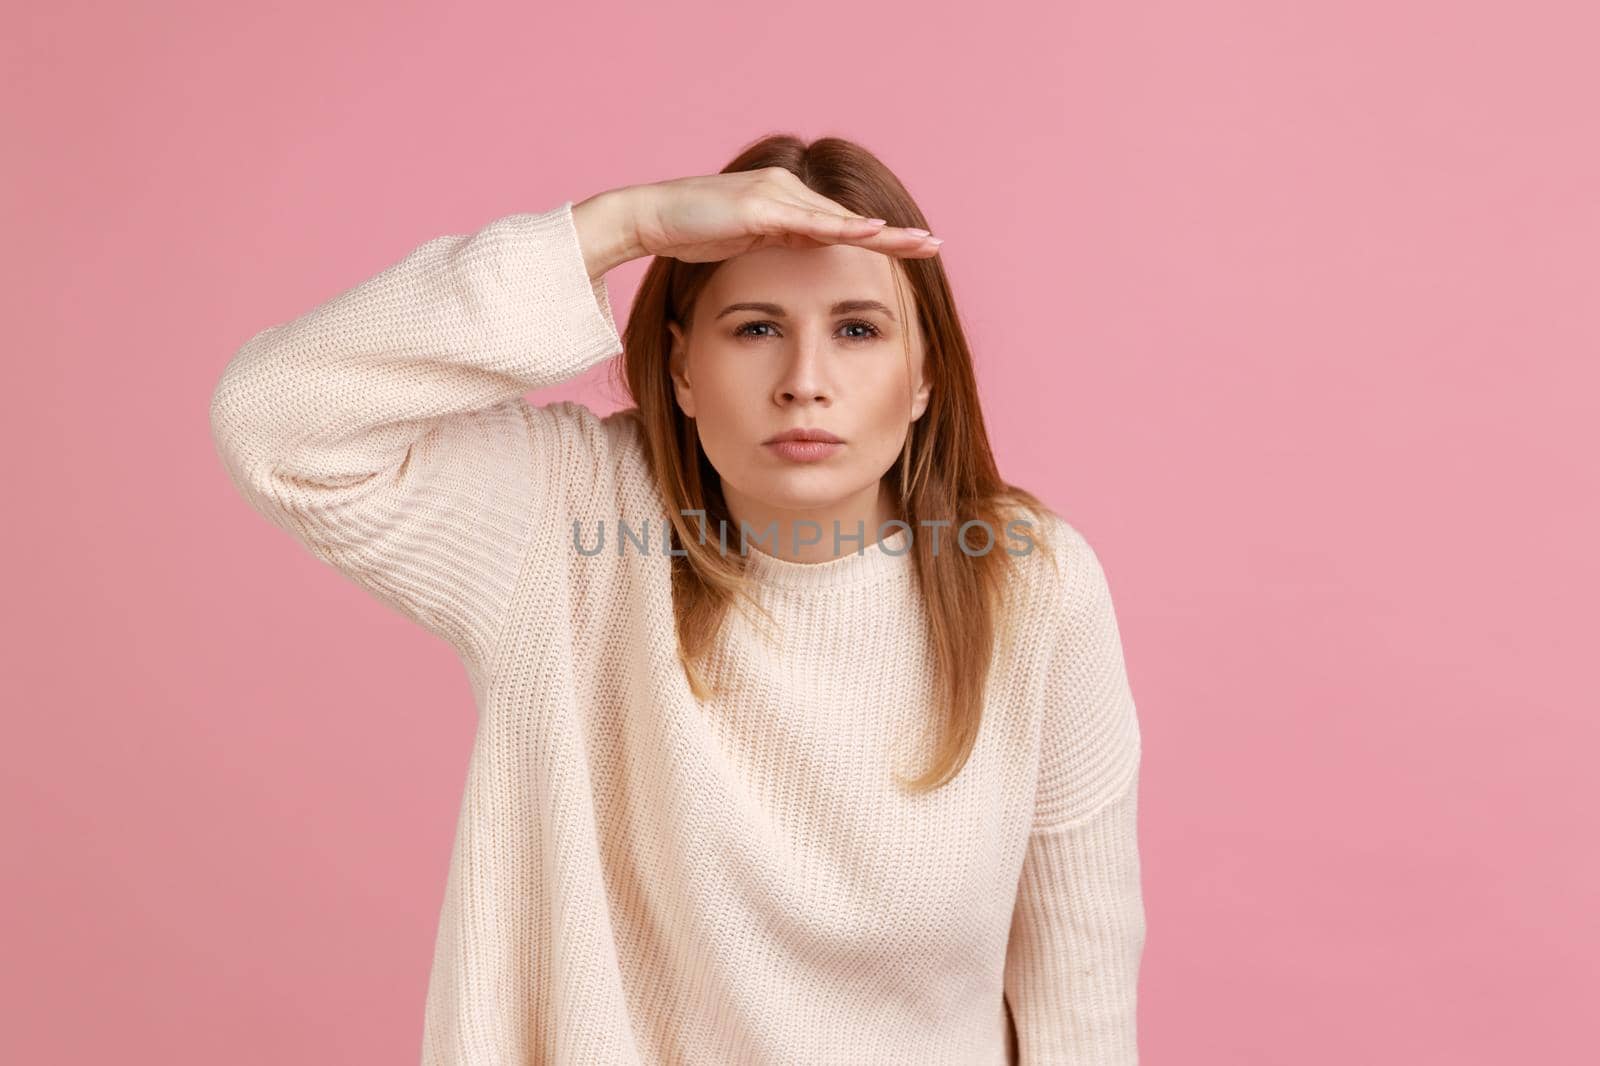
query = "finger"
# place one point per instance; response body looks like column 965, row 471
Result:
column 897, row 240
column 789, row 216
column 829, row 227
column 815, row 198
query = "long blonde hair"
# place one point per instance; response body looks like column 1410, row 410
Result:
column 946, row 470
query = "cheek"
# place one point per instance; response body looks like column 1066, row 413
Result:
column 723, row 383
column 890, row 406
column 725, row 392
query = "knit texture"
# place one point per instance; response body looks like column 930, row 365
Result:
column 640, row 876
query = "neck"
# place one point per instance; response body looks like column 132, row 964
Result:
column 811, row 534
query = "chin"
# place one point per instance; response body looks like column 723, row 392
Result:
column 792, row 489
column 814, row 496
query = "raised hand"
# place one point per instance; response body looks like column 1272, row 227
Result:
column 709, row 217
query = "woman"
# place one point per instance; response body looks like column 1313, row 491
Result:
column 685, row 836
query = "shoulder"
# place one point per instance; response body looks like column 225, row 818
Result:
column 607, row 459
column 1067, row 606
column 1091, row 741
column 584, row 444
column 574, row 464
column 1060, row 566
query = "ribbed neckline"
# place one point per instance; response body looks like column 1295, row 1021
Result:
column 886, row 556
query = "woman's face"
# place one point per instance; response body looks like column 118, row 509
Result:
column 809, row 338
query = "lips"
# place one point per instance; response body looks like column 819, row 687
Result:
column 803, row 434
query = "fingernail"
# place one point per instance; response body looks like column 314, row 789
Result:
column 936, row 240
column 918, row 232
column 878, row 221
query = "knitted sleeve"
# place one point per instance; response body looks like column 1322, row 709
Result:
column 1078, row 928
column 386, row 429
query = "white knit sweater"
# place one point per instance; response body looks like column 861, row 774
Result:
column 639, row 876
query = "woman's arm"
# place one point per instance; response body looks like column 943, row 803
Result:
column 1077, row 935
column 386, row 429
column 1078, row 930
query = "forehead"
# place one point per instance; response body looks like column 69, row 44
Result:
column 805, row 278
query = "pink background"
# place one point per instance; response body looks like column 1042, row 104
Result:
column 1291, row 308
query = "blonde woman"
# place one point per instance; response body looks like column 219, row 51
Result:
column 803, row 737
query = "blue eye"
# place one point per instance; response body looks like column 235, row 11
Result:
column 872, row 331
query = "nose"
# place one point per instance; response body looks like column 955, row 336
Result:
column 804, row 377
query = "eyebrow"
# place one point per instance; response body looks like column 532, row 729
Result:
column 843, row 307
